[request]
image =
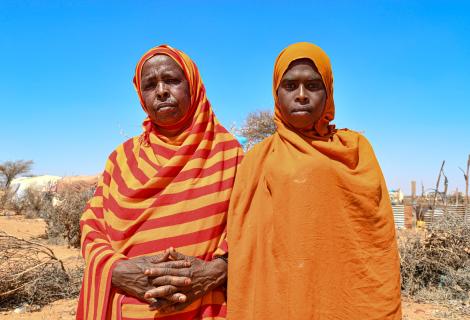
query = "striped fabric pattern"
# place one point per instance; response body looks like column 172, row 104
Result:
column 154, row 194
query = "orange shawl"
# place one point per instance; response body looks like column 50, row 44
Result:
column 310, row 227
column 154, row 194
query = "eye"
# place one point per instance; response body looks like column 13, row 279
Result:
column 290, row 85
column 148, row 86
column 314, row 86
column 172, row 81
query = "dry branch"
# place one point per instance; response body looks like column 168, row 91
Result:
column 437, row 261
column 31, row 273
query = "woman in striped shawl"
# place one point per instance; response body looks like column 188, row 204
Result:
column 167, row 188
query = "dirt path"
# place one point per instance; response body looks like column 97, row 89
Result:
column 58, row 310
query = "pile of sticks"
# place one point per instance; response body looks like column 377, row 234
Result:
column 438, row 258
column 31, row 274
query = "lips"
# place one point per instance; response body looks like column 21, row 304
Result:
column 164, row 106
column 302, row 109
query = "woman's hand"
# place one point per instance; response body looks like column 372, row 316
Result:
column 129, row 275
column 204, row 276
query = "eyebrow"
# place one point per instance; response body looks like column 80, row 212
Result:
column 164, row 74
column 314, row 78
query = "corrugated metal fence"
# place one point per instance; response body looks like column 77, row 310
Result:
column 399, row 215
column 441, row 211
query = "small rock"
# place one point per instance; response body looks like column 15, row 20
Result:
column 20, row 310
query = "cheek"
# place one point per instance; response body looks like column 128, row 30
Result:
column 284, row 101
column 319, row 99
column 183, row 98
column 148, row 99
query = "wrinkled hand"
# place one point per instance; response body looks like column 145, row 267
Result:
column 203, row 275
column 129, row 275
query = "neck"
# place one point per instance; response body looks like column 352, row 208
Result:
column 171, row 133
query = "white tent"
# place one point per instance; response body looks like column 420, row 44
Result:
column 40, row 183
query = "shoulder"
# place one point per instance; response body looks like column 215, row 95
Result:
column 260, row 149
column 255, row 157
column 352, row 136
column 120, row 150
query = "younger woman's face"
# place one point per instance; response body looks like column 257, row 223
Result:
column 301, row 95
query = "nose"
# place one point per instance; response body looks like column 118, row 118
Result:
column 162, row 91
column 301, row 97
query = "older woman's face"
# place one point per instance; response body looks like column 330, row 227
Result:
column 165, row 90
column 301, row 94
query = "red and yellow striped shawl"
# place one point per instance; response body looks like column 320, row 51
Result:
column 154, row 194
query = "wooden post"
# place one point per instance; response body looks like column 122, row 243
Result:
column 466, row 190
column 446, row 185
column 465, row 199
column 413, row 204
column 436, row 190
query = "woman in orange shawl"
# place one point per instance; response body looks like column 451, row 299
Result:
column 310, row 229
column 169, row 187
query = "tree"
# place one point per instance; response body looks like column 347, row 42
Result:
column 258, row 125
column 9, row 170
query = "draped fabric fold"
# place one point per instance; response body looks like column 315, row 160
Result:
column 155, row 193
column 310, row 228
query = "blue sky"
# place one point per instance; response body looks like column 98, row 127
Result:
column 401, row 69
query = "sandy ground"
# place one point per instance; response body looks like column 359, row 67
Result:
column 61, row 309
column 32, row 229
column 65, row 309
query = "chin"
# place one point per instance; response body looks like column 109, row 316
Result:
column 301, row 123
column 167, row 119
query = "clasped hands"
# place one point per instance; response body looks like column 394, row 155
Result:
column 170, row 281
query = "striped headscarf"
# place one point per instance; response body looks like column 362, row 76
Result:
column 156, row 193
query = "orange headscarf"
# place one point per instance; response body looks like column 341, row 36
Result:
column 154, row 194
column 322, row 128
column 310, row 229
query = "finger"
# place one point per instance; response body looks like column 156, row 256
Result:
column 160, row 304
column 160, row 257
column 159, row 272
column 171, row 280
column 175, row 255
column 160, row 292
column 177, row 298
column 174, row 264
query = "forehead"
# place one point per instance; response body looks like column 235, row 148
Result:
column 302, row 67
column 161, row 63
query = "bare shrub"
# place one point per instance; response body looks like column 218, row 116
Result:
column 8, row 203
column 63, row 219
column 31, row 273
column 35, row 203
column 258, row 125
column 9, row 170
column 435, row 264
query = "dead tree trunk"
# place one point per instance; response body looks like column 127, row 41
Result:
column 436, row 191
column 466, row 190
